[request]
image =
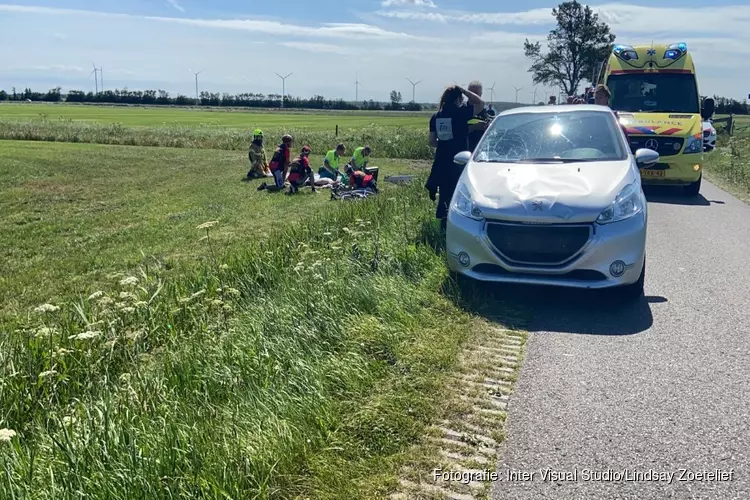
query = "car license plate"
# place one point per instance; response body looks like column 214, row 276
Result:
column 653, row 173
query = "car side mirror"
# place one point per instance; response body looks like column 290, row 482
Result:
column 646, row 157
column 462, row 158
column 708, row 108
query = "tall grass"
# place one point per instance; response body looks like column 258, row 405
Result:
column 387, row 142
column 731, row 160
column 300, row 366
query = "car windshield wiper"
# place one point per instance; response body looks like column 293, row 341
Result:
column 556, row 160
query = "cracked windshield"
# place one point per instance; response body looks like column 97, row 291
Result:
column 552, row 137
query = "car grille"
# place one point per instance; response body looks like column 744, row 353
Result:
column 549, row 244
column 578, row 274
column 666, row 146
column 706, row 133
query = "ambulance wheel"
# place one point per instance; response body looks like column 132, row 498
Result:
column 694, row 188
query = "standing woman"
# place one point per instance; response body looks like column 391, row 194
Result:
column 449, row 133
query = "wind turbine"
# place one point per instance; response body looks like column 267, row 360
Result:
column 356, row 91
column 414, row 89
column 533, row 99
column 96, row 79
column 518, row 89
column 492, row 92
column 196, row 82
column 283, row 86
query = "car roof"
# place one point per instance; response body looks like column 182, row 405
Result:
column 562, row 108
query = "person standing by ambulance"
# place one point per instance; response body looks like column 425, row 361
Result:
column 449, row 132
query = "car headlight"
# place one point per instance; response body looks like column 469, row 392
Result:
column 627, row 203
column 464, row 205
column 694, row 145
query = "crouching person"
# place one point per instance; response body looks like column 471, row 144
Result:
column 300, row 172
column 279, row 165
column 331, row 162
column 361, row 180
column 257, row 156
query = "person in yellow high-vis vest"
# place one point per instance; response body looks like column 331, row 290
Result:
column 360, row 157
column 331, row 162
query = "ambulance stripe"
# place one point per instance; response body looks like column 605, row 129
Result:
column 671, row 131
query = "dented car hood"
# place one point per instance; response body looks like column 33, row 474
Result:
column 555, row 193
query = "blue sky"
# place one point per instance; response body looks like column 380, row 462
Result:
column 153, row 44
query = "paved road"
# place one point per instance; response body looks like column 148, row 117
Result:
column 662, row 386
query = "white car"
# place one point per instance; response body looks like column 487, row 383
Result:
column 709, row 136
column 552, row 196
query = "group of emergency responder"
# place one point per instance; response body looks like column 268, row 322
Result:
column 297, row 172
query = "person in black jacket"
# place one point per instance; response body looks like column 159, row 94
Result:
column 449, row 132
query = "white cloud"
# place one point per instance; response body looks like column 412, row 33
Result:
column 413, row 3
column 176, row 5
column 157, row 51
column 55, row 68
column 315, row 47
column 624, row 18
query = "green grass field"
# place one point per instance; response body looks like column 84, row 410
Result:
column 293, row 346
column 242, row 119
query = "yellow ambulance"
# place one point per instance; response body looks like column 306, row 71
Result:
column 654, row 91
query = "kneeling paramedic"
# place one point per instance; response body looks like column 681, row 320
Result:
column 257, row 156
column 360, row 160
column 279, row 164
column 300, row 171
column 330, row 168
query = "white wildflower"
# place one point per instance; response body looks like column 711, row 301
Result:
column 128, row 309
column 60, row 351
column 96, row 295
column 105, row 301
column 6, row 435
column 224, row 267
column 88, row 335
column 48, row 373
column 44, row 331
column 208, row 225
column 46, row 308
column 128, row 296
column 140, row 304
column 69, row 420
column 129, row 281
column 233, row 291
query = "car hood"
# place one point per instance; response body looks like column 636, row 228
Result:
column 672, row 124
column 569, row 192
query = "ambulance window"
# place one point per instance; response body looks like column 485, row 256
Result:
column 665, row 93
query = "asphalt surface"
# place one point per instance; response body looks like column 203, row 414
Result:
column 659, row 386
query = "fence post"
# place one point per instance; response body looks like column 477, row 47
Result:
column 337, row 130
column 730, row 124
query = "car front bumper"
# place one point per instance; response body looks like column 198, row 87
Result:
column 624, row 241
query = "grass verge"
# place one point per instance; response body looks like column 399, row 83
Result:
column 729, row 164
column 386, row 142
column 74, row 213
column 303, row 363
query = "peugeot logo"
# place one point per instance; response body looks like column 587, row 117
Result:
column 537, row 206
column 652, row 144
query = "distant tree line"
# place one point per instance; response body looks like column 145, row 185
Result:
column 247, row 100
column 727, row 105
